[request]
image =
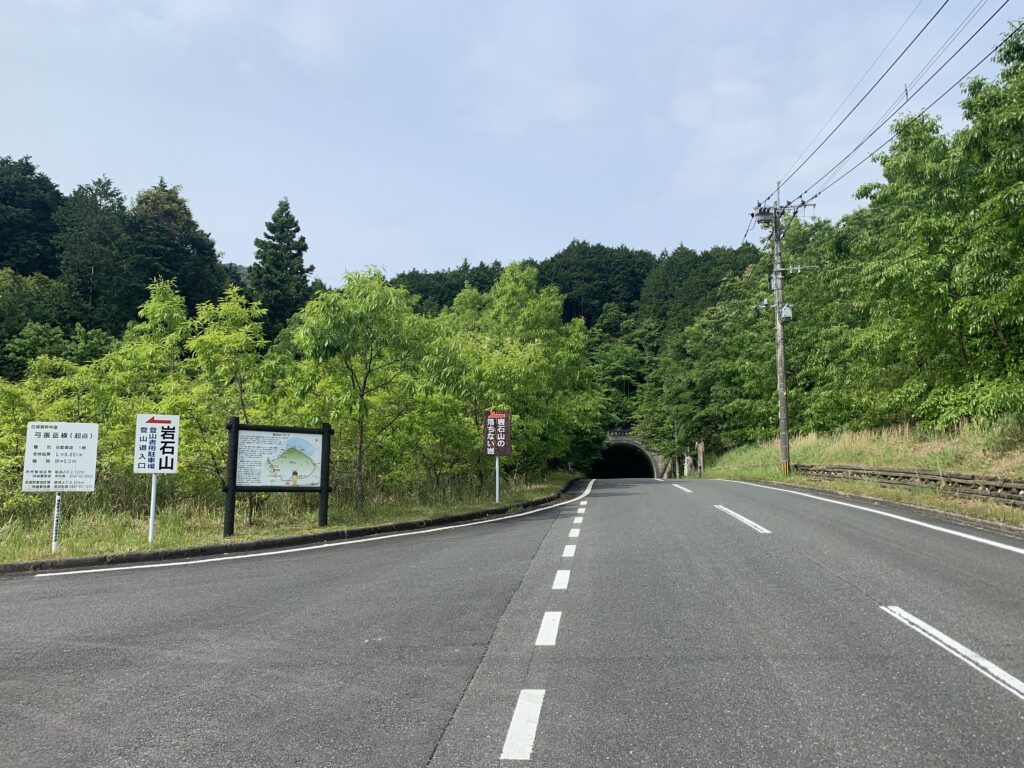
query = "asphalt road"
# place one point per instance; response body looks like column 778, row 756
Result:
column 721, row 625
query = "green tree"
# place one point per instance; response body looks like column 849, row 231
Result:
column 23, row 299
column 592, row 275
column 170, row 245
column 364, row 342
column 28, row 200
column 279, row 278
column 107, row 282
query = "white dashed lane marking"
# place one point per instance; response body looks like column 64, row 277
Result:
column 569, row 551
column 561, row 580
column 523, row 728
column 548, row 632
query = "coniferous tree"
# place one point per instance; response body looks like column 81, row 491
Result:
column 106, row 281
column 28, row 200
column 279, row 278
column 169, row 244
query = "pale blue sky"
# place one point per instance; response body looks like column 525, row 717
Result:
column 414, row 134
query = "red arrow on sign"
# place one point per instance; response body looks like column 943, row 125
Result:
column 155, row 420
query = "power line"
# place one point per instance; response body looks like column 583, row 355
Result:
column 854, row 88
column 900, row 101
column 868, row 93
column 919, row 114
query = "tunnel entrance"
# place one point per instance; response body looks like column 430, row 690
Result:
column 622, row 460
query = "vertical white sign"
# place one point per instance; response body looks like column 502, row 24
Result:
column 156, row 443
column 59, row 456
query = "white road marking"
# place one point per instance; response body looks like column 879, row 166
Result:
column 569, row 551
column 577, row 520
column 979, row 539
column 523, row 728
column 681, row 488
column 584, row 502
column 549, row 628
column 574, row 533
column 965, row 654
column 311, row 547
column 561, row 580
column 742, row 519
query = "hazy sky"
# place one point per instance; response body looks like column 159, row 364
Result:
column 417, row 134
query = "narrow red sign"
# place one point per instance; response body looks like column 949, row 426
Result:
column 497, row 432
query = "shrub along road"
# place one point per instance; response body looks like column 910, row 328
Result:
column 657, row 624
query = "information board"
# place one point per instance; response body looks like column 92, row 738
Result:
column 278, row 459
column 156, row 443
column 60, row 456
column 497, row 433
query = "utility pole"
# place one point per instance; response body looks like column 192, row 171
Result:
column 773, row 215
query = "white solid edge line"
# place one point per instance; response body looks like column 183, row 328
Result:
column 577, row 520
column 742, row 519
column 523, row 728
column 561, row 580
column 311, row 547
column 987, row 668
column 681, row 488
column 569, row 551
column 548, row 632
column 951, row 532
column 574, row 533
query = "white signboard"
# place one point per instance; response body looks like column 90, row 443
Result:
column 156, row 443
column 278, row 459
column 59, row 456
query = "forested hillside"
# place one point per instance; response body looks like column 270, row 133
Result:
column 910, row 310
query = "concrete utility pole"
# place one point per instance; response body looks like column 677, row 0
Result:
column 773, row 215
column 780, row 344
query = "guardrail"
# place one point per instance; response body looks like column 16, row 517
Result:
column 955, row 483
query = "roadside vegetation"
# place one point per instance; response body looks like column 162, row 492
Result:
column 996, row 451
column 89, row 528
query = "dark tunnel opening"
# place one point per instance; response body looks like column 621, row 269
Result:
column 622, row 460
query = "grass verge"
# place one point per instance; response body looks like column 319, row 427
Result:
column 994, row 452
column 88, row 532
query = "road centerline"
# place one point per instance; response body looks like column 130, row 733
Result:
column 561, row 580
column 574, row 533
column 548, row 632
column 523, row 729
column 569, row 550
column 681, row 488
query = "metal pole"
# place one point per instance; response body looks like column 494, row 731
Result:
column 152, row 507
column 56, row 523
column 497, row 480
column 231, row 477
column 780, row 349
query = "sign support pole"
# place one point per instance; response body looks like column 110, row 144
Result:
column 325, row 474
column 56, row 523
column 152, row 507
column 497, row 480
column 231, row 472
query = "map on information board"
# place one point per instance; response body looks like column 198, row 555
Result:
column 278, row 459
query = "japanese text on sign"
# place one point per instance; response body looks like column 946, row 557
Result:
column 156, row 443
column 59, row 456
column 497, row 433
